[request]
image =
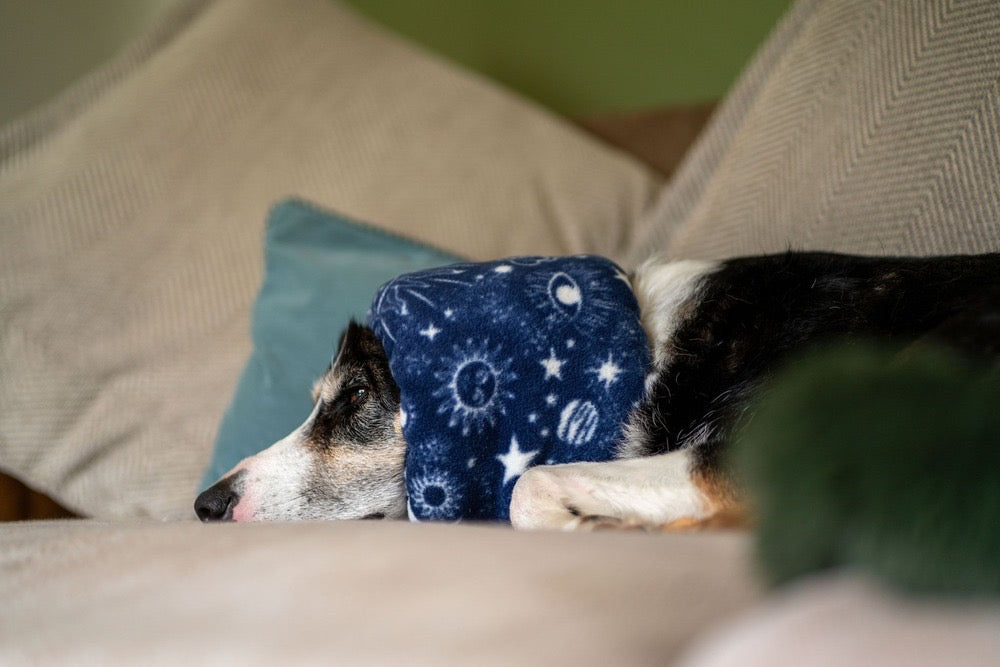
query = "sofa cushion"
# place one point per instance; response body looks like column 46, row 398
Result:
column 360, row 593
column 861, row 126
column 132, row 208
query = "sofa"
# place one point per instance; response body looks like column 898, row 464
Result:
column 133, row 209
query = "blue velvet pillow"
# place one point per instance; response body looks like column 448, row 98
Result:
column 321, row 270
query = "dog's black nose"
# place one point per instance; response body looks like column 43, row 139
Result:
column 216, row 503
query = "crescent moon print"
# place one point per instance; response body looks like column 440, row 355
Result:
column 564, row 294
column 578, row 297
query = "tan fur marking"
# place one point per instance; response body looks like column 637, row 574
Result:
column 724, row 503
column 721, row 520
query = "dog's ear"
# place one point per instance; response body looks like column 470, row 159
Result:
column 348, row 342
column 358, row 342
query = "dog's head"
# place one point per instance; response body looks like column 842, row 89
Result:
column 345, row 462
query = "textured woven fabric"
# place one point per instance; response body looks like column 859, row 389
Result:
column 314, row 593
column 505, row 365
column 132, row 214
column 866, row 126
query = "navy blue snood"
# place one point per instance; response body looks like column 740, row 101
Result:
column 506, row 365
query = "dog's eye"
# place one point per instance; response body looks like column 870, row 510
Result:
column 357, row 394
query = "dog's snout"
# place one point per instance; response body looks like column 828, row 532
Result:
column 216, row 503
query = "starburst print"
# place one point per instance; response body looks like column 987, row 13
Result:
column 434, row 495
column 607, row 373
column 473, row 390
column 429, row 332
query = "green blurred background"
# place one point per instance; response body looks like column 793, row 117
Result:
column 579, row 58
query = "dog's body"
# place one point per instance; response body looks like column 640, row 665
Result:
column 717, row 331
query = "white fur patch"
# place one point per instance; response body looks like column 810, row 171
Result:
column 654, row 490
column 662, row 288
column 271, row 489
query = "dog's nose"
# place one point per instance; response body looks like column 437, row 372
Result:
column 216, row 503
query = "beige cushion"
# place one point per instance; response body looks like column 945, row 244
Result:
column 132, row 216
column 360, row 593
column 865, row 126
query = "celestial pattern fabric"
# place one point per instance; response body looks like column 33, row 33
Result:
column 505, row 365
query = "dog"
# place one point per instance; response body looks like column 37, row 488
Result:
column 717, row 331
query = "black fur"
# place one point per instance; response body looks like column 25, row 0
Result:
column 751, row 314
column 368, row 398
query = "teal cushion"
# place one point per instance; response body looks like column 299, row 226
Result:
column 321, row 270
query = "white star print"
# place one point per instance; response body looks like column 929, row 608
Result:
column 608, row 372
column 515, row 462
column 553, row 365
column 551, row 399
column 430, row 331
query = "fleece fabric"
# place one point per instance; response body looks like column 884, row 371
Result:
column 505, row 365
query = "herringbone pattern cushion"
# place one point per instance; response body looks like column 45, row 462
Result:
column 869, row 126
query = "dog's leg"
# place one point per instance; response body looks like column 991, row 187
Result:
column 649, row 492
